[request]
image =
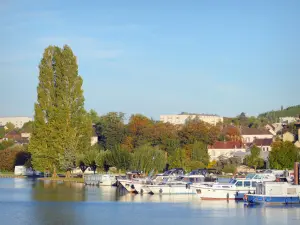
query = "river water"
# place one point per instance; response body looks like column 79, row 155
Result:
column 32, row 202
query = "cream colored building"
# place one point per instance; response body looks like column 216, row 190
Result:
column 288, row 136
column 18, row 122
column 225, row 149
column 250, row 134
column 182, row 118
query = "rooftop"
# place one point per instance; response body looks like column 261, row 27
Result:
column 263, row 142
column 226, row 145
column 253, row 131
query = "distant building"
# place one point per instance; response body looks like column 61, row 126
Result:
column 18, row 122
column 264, row 144
column 287, row 120
column 180, row 119
column 13, row 135
column 226, row 149
column 250, row 134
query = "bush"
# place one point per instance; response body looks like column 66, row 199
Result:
column 193, row 165
column 9, row 158
column 229, row 169
column 6, row 144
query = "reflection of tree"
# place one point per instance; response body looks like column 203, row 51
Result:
column 57, row 198
column 58, row 191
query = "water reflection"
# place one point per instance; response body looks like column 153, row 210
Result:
column 58, row 191
column 25, row 201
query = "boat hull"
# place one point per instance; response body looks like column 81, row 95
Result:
column 171, row 189
column 141, row 188
column 271, row 199
column 220, row 194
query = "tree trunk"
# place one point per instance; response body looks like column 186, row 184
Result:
column 68, row 174
column 54, row 175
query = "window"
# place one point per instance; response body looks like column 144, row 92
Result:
column 253, row 183
column 239, row 183
column 267, row 148
column 246, row 183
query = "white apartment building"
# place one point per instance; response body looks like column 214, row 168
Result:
column 182, row 118
column 288, row 119
column 17, row 121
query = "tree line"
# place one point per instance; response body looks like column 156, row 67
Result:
column 62, row 130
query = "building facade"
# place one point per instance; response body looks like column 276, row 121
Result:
column 250, row 134
column 18, row 122
column 225, row 149
column 180, row 119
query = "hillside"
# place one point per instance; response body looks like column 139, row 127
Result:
column 293, row 111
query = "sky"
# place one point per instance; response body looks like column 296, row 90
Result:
column 157, row 57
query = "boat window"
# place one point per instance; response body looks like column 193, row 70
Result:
column 258, row 176
column 246, row 183
column 232, row 181
column 250, row 176
column 239, row 184
column 253, row 184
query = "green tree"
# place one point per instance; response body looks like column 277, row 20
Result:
column 178, row 159
column 94, row 116
column 27, row 127
column 147, row 158
column 119, row 158
column 61, row 126
column 283, row 155
column 254, row 160
column 10, row 126
column 111, row 130
column 200, row 153
column 2, row 132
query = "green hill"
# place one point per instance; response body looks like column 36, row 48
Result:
column 293, row 111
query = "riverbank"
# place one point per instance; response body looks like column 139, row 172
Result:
column 63, row 179
column 10, row 175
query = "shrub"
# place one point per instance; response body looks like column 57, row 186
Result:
column 9, row 158
column 193, row 165
column 229, row 169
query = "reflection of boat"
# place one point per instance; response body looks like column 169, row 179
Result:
column 275, row 192
column 160, row 198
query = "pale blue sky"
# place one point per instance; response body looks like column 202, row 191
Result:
column 157, row 57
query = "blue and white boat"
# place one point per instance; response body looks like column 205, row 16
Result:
column 274, row 193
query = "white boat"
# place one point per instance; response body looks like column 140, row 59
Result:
column 140, row 185
column 182, row 185
column 276, row 193
column 235, row 190
column 100, row 179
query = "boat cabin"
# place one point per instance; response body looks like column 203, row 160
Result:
column 193, row 179
column 259, row 177
column 239, row 184
column 277, row 188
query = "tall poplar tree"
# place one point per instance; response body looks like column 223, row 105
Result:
column 61, row 128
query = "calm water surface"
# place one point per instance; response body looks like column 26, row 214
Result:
column 24, row 201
